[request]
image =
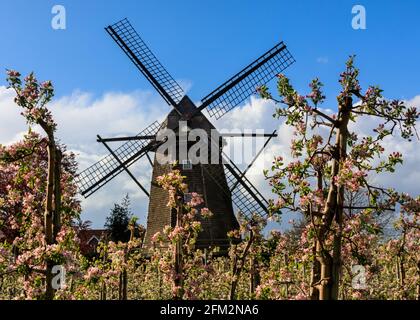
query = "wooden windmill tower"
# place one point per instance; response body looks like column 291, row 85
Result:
column 224, row 186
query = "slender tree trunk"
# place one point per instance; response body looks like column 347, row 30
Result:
column 124, row 282
column 315, row 276
column 254, row 277
column 123, row 275
column 418, row 280
column 120, row 286
column 328, row 285
column 324, row 284
column 104, row 288
column 401, row 277
column 316, row 268
column 49, row 215
column 336, row 259
column 342, row 144
column 103, row 291
column 159, row 284
column 178, row 263
column 234, row 281
column 237, row 269
column 57, row 194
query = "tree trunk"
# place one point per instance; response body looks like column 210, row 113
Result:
column 324, row 284
column 102, row 295
column 336, row 259
column 342, row 145
column 254, row 277
column 159, row 284
column 123, row 285
column 49, row 215
column 418, row 280
column 120, row 286
column 179, row 278
column 316, row 268
column 57, row 194
column 328, row 284
column 401, row 269
column 236, row 270
column 232, row 290
column 315, row 276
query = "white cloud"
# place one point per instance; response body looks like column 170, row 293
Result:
column 406, row 176
column 257, row 114
column 81, row 117
column 12, row 125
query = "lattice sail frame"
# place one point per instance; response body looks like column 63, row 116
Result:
column 240, row 197
column 244, row 195
column 245, row 83
column 103, row 171
column 139, row 53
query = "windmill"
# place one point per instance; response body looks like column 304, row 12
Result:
column 224, row 187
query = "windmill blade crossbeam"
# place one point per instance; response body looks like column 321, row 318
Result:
column 245, row 197
column 244, row 84
column 134, row 47
column 243, row 194
column 100, row 173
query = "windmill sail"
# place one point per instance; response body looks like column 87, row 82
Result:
column 244, row 199
column 244, row 84
column 100, row 173
column 244, row 195
column 134, row 47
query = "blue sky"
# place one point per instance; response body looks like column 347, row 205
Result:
column 205, row 42
column 201, row 43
